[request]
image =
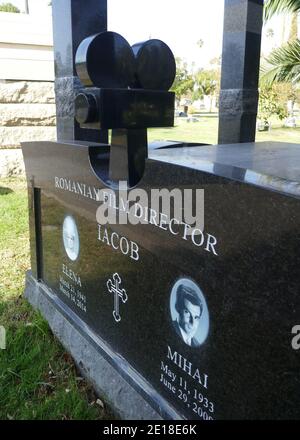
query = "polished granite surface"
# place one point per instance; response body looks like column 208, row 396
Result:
column 244, row 267
column 274, row 165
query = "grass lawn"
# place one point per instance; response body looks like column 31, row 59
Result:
column 38, row 379
column 206, row 131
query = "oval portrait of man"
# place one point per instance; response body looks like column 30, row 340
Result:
column 70, row 238
column 189, row 312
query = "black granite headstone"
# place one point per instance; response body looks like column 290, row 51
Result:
column 120, row 285
column 197, row 319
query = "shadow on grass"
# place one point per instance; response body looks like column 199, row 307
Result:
column 38, row 379
column 4, row 191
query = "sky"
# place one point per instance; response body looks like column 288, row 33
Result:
column 179, row 23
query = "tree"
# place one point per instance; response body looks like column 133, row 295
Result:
column 216, row 62
column 207, row 83
column 200, row 43
column 288, row 95
column 273, row 7
column 283, row 64
column 269, row 105
column 184, row 81
column 9, row 7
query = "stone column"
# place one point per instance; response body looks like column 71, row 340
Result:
column 73, row 20
column 240, row 70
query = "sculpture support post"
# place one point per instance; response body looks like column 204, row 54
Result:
column 73, row 20
column 240, row 70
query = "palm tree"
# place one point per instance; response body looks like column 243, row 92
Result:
column 273, row 7
column 283, row 64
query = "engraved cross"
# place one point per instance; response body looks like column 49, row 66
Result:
column 113, row 286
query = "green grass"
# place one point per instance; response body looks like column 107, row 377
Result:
column 206, row 131
column 38, row 379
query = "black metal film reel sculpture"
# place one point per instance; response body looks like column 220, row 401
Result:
column 125, row 89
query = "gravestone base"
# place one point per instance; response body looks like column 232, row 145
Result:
column 107, row 382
